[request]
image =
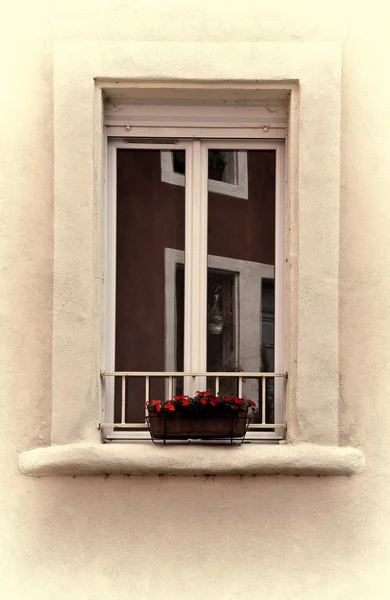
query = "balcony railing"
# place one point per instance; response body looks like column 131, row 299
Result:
column 191, row 382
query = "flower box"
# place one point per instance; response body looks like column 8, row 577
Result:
column 204, row 417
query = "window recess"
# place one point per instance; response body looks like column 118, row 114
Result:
column 194, row 294
column 289, row 92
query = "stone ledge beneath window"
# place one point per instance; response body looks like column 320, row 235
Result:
column 146, row 459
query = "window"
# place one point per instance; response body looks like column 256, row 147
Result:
column 194, row 275
column 258, row 91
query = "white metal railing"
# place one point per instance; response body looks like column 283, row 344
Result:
column 191, row 383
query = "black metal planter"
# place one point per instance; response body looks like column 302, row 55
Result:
column 198, row 424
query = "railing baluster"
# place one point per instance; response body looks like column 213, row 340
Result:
column 216, row 385
column 170, row 387
column 147, row 379
column 239, row 386
column 263, row 399
column 123, row 411
column 284, row 397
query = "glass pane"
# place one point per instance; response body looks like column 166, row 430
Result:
column 149, row 275
column 240, row 275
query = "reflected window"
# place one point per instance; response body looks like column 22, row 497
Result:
column 227, row 171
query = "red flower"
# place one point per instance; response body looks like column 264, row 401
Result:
column 228, row 399
column 185, row 402
column 203, row 400
column 169, row 406
column 251, row 403
column 158, row 407
column 213, row 400
column 156, row 401
column 203, row 393
column 237, row 400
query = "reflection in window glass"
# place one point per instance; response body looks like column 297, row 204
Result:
column 241, row 262
column 150, row 219
column 222, row 165
column 150, row 270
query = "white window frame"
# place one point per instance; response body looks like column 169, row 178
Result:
column 239, row 189
column 196, row 199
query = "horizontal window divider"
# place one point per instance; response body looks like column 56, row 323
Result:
column 235, row 374
column 142, row 427
column 135, row 426
column 246, row 133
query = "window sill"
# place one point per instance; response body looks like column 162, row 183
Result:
column 145, row 459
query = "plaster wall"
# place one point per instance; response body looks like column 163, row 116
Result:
column 176, row 537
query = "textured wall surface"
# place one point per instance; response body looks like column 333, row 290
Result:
column 217, row 538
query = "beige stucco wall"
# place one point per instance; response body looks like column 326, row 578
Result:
column 129, row 537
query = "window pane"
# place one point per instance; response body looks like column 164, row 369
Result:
column 150, row 256
column 240, row 277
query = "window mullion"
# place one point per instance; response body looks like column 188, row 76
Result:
column 195, row 310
